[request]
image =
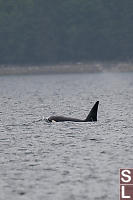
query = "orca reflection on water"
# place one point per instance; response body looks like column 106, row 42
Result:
column 90, row 118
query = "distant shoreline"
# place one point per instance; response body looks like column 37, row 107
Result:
column 66, row 68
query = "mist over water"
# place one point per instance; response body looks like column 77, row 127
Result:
column 63, row 161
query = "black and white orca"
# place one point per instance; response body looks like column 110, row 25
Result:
column 92, row 116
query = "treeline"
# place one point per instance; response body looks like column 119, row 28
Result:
column 52, row 31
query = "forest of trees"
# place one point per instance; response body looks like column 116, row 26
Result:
column 54, row 31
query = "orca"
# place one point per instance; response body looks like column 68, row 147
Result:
column 92, row 116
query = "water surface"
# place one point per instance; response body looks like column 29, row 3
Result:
column 64, row 161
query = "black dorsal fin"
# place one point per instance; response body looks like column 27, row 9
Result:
column 93, row 113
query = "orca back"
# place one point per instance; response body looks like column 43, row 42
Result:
column 90, row 118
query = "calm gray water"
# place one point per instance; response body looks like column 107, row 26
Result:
column 64, row 161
